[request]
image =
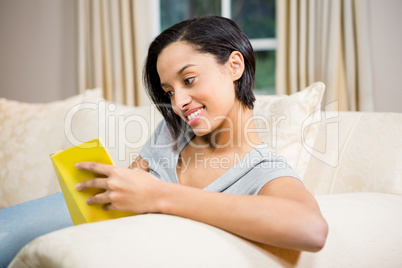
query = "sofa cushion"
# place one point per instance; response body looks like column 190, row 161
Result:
column 122, row 129
column 364, row 231
column 29, row 133
column 365, row 155
column 286, row 123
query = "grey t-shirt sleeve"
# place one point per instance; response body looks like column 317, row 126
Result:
column 161, row 153
column 260, row 175
column 147, row 150
column 252, row 173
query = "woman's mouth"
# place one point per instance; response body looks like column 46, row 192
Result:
column 195, row 116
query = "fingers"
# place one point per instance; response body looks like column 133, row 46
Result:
column 109, row 206
column 95, row 167
column 101, row 198
column 93, row 183
column 113, row 184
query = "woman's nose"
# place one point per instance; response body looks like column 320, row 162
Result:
column 181, row 99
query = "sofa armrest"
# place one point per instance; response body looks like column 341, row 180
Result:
column 150, row 240
column 364, row 231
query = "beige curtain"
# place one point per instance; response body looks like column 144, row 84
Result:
column 113, row 39
column 328, row 41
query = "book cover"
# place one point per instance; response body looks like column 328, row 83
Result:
column 69, row 176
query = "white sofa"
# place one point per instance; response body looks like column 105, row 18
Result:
column 351, row 162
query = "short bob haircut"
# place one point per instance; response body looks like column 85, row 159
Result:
column 211, row 35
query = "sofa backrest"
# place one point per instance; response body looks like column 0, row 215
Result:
column 356, row 152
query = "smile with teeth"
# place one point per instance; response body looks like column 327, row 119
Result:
column 193, row 115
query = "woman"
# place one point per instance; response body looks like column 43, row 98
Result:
column 200, row 73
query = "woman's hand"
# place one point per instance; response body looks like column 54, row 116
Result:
column 133, row 190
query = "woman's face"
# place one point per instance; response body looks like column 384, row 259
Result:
column 202, row 92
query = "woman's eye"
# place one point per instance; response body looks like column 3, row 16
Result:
column 188, row 81
column 169, row 93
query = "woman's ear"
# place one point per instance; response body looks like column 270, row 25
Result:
column 236, row 64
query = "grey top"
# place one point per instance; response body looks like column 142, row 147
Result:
column 246, row 177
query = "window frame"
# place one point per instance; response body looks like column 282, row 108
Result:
column 258, row 44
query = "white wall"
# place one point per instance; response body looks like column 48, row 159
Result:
column 37, row 49
column 386, row 45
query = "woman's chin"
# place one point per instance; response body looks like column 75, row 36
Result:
column 200, row 132
column 200, row 126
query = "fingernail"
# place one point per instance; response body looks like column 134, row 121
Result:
column 78, row 186
column 77, row 165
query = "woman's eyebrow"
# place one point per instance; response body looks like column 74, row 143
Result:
column 180, row 72
column 185, row 67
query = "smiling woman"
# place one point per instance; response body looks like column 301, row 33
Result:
column 189, row 82
column 200, row 74
column 219, row 41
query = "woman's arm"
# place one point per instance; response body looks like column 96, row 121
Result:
column 284, row 214
column 289, row 219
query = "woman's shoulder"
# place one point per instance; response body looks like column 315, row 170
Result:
column 266, row 153
column 162, row 137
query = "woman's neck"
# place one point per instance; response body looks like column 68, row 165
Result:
column 237, row 132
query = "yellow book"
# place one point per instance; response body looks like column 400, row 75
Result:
column 69, row 176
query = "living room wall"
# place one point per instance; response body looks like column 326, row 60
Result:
column 386, row 44
column 38, row 48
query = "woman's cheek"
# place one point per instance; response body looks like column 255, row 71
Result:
column 176, row 110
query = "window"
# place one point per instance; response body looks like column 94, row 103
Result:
column 257, row 18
